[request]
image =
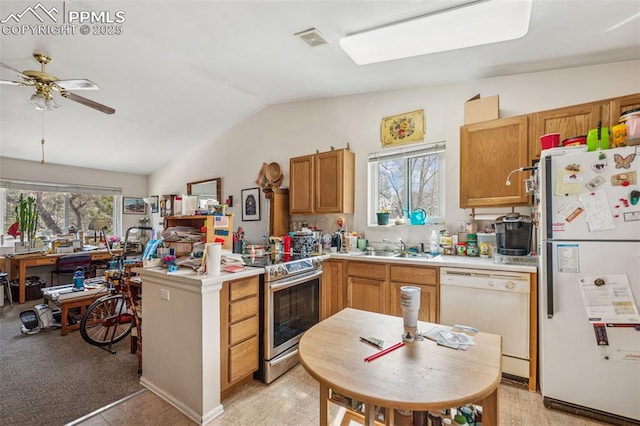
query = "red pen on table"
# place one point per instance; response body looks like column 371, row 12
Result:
column 384, row 352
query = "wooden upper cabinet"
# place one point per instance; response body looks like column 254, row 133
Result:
column 322, row 183
column 301, row 185
column 335, row 181
column 488, row 152
column 570, row 121
column 618, row 106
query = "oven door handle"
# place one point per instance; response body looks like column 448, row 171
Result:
column 286, row 283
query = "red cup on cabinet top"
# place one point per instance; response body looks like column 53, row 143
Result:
column 550, row 140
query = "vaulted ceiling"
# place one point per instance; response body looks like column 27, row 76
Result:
column 181, row 72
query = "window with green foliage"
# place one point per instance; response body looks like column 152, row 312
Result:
column 61, row 208
column 406, row 179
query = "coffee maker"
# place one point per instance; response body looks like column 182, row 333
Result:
column 513, row 234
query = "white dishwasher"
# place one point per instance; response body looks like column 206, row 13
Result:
column 494, row 302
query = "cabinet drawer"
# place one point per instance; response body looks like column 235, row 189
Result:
column 367, row 270
column 243, row 309
column 243, row 359
column 242, row 288
column 243, row 330
column 414, row 275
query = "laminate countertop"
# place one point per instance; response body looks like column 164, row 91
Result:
column 450, row 261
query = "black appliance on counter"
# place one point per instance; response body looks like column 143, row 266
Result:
column 289, row 306
column 513, row 234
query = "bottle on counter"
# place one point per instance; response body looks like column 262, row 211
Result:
column 461, row 249
column 472, row 245
column 434, row 248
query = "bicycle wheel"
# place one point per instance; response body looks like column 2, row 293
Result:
column 106, row 321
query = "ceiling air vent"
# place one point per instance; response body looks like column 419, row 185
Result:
column 312, row 37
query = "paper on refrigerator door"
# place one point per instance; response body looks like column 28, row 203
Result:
column 609, row 299
column 599, row 215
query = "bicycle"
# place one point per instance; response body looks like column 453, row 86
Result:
column 111, row 318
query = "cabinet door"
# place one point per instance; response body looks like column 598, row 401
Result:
column 488, row 152
column 365, row 294
column 428, row 301
column 301, row 185
column 333, row 294
column 617, row 106
column 570, row 121
column 334, row 174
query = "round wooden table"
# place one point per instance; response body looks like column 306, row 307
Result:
column 420, row 376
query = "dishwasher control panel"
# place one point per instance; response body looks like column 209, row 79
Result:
column 485, row 279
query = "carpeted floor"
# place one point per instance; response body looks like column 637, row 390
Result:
column 48, row 379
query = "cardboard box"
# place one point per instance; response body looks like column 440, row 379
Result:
column 479, row 109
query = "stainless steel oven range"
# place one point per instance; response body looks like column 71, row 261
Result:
column 290, row 305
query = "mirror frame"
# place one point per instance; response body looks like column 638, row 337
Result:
column 218, row 182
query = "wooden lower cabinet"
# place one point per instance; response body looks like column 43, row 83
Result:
column 426, row 278
column 375, row 287
column 366, row 294
column 239, row 327
column 333, row 291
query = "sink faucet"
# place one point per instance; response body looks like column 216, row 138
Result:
column 399, row 244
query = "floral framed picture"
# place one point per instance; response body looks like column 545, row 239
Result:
column 251, row 204
column 402, row 128
column 133, row 205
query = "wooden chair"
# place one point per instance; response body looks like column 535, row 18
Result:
column 68, row 264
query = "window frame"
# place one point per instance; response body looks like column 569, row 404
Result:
column 34, row 186
column 406, row 154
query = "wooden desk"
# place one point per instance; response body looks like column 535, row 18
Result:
column 420, row 376
column 18, row 264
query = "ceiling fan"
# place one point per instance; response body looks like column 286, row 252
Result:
column 46, row 84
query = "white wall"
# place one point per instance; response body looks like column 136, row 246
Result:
column 132, row 185
column 283, row 131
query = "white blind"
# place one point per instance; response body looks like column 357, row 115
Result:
column 58, row 187
column 408, row 151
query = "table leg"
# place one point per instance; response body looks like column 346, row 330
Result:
column 369, row 413
column 389, row 414
column 490, row 409
column 324, row 405
column 21, row 282
column 64, row 311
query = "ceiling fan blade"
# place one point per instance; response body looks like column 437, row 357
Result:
column 78, row 84
column 15, row 71
column 14, row 83
column 88, row 102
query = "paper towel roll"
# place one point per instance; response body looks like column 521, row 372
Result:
column 214, row 256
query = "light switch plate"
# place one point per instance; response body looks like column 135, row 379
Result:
column 164, row 294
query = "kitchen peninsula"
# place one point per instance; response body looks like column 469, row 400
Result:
column 184, row 358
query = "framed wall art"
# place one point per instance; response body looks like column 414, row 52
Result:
column 133, row 205
column 251, row 204
column 402, row 128
column 154, row 204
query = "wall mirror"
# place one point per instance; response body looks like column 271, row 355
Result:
column 209, row 191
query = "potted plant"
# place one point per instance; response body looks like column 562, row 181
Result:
column 27, row 219
column 383, row 213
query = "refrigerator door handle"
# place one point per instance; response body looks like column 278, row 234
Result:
column 549, row 278
column 548, row 213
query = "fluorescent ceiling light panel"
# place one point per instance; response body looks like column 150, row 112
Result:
column 474, row 24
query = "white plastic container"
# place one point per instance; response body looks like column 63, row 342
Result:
column 486, row 238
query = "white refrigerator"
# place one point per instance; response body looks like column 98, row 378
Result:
column 589, row 286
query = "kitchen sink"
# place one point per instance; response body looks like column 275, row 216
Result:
column 398, row 254
column 413, row 255
column 381, row 253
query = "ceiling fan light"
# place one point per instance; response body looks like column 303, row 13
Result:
column 38, row 101
column 51, row 104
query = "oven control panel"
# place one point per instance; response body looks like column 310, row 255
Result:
column 291, row 268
